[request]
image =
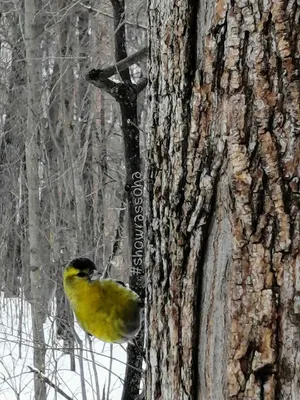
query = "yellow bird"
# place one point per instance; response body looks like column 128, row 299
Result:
column 105, row 308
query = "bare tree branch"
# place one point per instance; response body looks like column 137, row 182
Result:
column 48, row 382
column 95, row 366
column 123, row 64
column 122, row 92
column 95, row 10
column 119, row 232
column 103, row 83
column 141, row 5
column 99, row 77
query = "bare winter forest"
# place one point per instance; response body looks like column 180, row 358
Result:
column 63, row 176
column 161, row 140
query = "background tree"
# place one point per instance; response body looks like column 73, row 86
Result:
column 223, row 307
column 126, row 92
column 63, row 174
column 32, row 154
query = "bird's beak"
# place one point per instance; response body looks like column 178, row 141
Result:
column 94, row 275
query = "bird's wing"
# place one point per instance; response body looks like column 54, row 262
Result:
column 98, row 276
column 121, row 283
column 139, row 299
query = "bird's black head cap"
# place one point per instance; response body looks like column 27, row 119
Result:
column 83, row 264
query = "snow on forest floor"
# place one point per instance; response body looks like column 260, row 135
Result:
column 16, row 354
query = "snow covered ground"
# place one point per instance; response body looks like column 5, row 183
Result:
column 16, row 354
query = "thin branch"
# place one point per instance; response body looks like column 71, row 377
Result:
column 129, row 122
column 103, row 393
column 92, row 9
column 94, row 367
column 80, row 358
column 48, row 382
column 119, row 233
column 110, row 370
column 140, row 7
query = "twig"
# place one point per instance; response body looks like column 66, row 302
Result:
column 94, row 367
column 110, row 370
column 41, row 376
column 136, row 25
column 117, row 241
column 136, row 126
column 83, row 389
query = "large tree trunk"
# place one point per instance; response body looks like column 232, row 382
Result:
column 224, row 267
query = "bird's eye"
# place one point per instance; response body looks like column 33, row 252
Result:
column 82, row 274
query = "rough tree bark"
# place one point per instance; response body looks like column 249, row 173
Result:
column 224, row 268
